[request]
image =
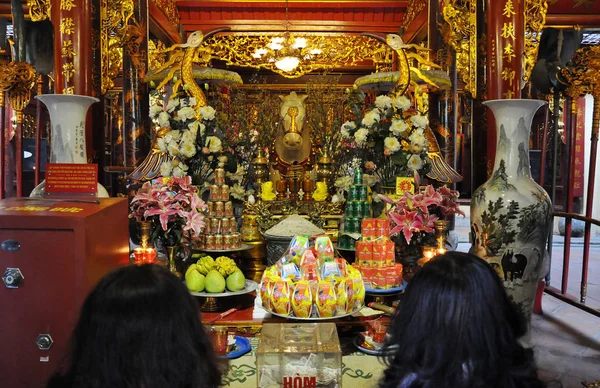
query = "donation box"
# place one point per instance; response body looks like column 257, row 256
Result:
column 52, row 253
column 292, row 355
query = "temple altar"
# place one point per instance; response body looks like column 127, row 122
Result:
column 364, row 122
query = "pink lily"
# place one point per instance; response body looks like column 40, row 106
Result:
column 195, row 223
column 164, row 212
column 405, row 223
column 386, row 199
column 197, row 203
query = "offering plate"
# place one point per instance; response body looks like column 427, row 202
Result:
column 212, row 302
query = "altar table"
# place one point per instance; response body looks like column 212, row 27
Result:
column 358, row 369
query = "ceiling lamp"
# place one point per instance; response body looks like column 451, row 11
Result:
column 286, row 52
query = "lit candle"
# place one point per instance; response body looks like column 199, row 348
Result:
column 428, row 253
column 138, row 255
column 441, row 251
column 149, row 255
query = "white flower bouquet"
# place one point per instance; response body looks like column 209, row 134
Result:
column 193, row 141
column 389, row 137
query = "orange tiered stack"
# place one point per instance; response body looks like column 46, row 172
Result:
column 375, row 255
column 220, row 232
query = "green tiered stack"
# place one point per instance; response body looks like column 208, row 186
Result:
column 357, row 208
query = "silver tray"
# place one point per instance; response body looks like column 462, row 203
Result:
column 243, row 247
column 250, row 286
column 315, row 318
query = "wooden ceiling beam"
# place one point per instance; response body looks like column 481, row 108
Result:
column 571, row 20
column 292, row 4
column 299, row 26
column 161, row 27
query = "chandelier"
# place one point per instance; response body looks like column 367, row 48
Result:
column 287, row 52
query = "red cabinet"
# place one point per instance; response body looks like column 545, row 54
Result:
column 51, row 255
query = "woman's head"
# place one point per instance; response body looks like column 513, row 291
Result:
column 140, row 327
column 455, row 323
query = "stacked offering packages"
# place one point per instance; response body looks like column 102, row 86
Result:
column 220, row 232
column 375, row 255
column 358, row 207
column 311, row 282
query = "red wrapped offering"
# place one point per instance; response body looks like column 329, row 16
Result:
column 364, row 253
column 383, row 228
column 369, row 228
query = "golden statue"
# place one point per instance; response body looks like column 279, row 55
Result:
column 291, row 153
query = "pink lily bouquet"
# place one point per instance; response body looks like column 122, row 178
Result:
column 172, row 203
column 413, row 215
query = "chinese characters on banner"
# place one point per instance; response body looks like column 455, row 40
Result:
column 67, row 51
column 510, row 67
column 579, row 168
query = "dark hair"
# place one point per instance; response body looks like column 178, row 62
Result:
column 457, row 328
column 139, row 328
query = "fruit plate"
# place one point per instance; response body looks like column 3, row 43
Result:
column 394, row 290
column 315, row 318
column 250, row 286
column 243, row 247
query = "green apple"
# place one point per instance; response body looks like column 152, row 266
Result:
column 214, row 282
column 236, row 281
column 194, row 280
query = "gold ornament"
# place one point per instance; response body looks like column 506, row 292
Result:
column 461, row 16
column 535, row 20
column 115, row 16
column 584, row 76
column 337, row 50
column 39, row 10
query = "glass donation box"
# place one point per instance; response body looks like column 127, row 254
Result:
column 51, row 255
column 292, row 355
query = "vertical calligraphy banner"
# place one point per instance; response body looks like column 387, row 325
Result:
column 505, row 20
column 579, row 149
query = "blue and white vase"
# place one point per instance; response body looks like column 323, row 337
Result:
column 511, row 213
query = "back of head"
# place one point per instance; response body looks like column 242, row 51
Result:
column 140, row 327
column 457, row 328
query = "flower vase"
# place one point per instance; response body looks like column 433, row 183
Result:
column 67, row 138
column 511, row 213
column 409, row 254
column 171, row 256
column 260, row 164
column 325, row 168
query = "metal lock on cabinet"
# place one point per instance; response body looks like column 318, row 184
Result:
column 13, row 278
column 44, row 341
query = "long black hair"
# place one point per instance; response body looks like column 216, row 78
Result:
column 457, row 328
column 139, row 328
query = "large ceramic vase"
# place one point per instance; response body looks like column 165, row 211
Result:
column 67, row 137
column 511, row 213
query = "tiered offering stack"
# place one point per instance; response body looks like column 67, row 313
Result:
column 220, row 232
column 358, row 208
column 375, row 255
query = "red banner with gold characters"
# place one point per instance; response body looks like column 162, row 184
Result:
column 72, row 41
column 506, row 31
column 579, row 149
